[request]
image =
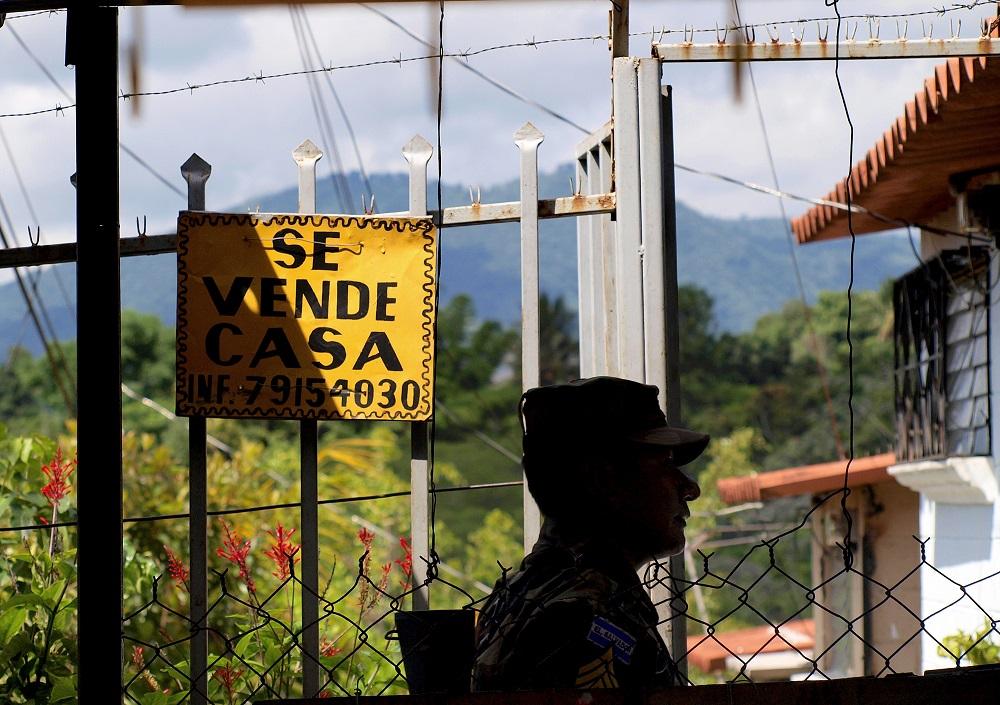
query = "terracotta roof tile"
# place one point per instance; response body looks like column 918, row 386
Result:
column 808, row 479
column 709, row 653
column 950, row 126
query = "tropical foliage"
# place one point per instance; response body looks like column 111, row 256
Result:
column 757, row 393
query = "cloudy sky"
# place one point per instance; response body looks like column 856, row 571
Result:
column 248, row 130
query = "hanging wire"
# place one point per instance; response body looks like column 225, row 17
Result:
column 492, row 81
column 806, row 311
column 847, row 548
column 55, row 82
column 307, row 25
column 432, row 441
column 338, row 178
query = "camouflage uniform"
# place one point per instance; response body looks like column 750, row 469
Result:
column 568, row 618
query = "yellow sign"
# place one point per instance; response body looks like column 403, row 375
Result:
column 305, row 316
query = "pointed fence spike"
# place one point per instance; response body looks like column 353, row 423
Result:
column 527, row 135
column 195, row 167
column 307, row 151
column 196, row 172
column 418, row 150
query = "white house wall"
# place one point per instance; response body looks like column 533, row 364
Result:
column 964, row 539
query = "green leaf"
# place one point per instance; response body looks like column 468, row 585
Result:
column 18, row 644
column 243, row 644
column 28, row 598
column 53, row 593
column 11, row 622
column 64, row 689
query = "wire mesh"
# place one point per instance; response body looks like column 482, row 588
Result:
column 256, row 649
column 255, row 638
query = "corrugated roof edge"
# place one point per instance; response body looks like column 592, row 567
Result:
column 807, row 479
column 942, row 86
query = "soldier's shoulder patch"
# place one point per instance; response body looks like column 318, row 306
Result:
column 604, row 633
column 599, row 673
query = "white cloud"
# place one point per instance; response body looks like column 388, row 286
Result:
column 247, row 131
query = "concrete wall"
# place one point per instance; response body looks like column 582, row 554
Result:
column 964, row 539
column 894, row 564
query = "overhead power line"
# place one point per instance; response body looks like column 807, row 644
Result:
column 793, row 255
column 336, row 97
column 335, row 164
column 492, row 81
column 55, row 82
column 853, row 207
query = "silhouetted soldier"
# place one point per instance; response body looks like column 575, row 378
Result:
column 603, row 466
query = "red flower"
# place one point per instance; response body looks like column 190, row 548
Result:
column 281, row 551
column 366, row 537
column 175, row 566
column 58, row 473
column 384, row 580
column 138, row 659
column 405, row 563
column 328, row 649
column 235, row 550
column 227, row 675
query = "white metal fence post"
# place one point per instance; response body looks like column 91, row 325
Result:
column 602, row 181
column 196, row 172
column 417, row 153
column 660, row 307
column 305, row 156
column 652, row 216
column 587, row 228
column 628, row 221
column 527, row 140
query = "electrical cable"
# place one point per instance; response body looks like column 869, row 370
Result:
column 335, row 164
column 853, row 207
column 55, row 82
column 336, row 98
column 434, row 559
column 847, row 548
column 70, row 406
column 282, row 505
column 807, row 312
column 492, row 81
column 33, row 277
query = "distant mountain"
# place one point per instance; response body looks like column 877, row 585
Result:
column 745, row 263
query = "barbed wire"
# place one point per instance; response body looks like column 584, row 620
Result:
column 262, row 77
column 23, row 16
column 739, row 27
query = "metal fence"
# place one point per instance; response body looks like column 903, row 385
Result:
column 230, row 640
column 256, row 647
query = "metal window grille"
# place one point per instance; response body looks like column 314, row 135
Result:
column 942, row 381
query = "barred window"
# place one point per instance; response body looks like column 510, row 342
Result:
column 942, row 357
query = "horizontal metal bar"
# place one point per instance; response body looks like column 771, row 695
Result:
column 66, row 252
column 285, row 505
column 29, row 5
column 595, row 138
column 827, row 50
column 564, row 207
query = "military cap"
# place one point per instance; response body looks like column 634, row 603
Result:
column 603, row 412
